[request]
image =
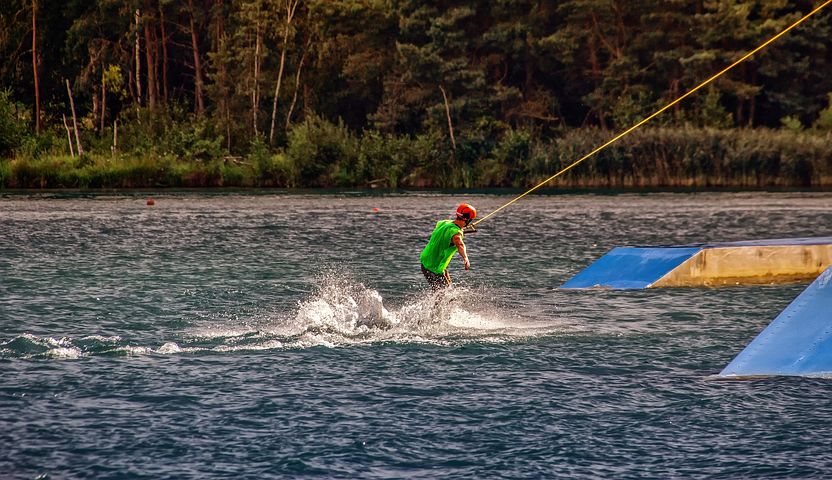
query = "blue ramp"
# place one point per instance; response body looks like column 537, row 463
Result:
column 631, row 267
column 797, row 342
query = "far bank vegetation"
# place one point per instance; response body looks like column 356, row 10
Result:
column 410, row 94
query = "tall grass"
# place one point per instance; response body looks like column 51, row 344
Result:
column 697, row 157
column 665, row 157
column 94, row 171
column 322, row 154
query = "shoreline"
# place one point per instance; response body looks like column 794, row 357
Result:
column 547, row 191
column 655, row 158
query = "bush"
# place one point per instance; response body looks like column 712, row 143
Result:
column 11, row 127
column 384, row 160
column 53, row 172
column 509, row 163
column 232, row 175
column 824, row 121
column 272, row 170
column 48, row 143
column 325, row 154
column 434, row 161
column 5, row 173
column 164, row 133
column 195, row 142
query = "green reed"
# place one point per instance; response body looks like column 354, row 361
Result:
column 321, row 154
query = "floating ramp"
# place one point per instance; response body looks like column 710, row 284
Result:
column 732, row 263
column 798, row 342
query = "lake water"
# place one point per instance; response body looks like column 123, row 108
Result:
column 225, row 334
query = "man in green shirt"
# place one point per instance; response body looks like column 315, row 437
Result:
column 446, row 240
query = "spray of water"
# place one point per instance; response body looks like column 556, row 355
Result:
column 340, row 312
column 344, row 312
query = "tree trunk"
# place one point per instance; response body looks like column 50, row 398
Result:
column 448, row 114
column 103, row 101
column 35, row 64
column 228, row 126
column 739, row 116
column 220, row 45
column 198, row 95
column 305, row 100
column 752, row 102
column 291, row 5
column 157, row 89
column 297, row 85
column 277, row 86
column 220, row 21
column 95, row 104
column 255, row 92
column 151, row 63
column 164, row 54
column 68, row 137
column 130, row 83
column 74, row 119
column 138, row 17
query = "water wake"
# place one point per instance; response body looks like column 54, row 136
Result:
column 339, row 313
column 342, row 312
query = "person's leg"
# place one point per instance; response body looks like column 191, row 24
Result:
column 438, row 284
column 435, row 281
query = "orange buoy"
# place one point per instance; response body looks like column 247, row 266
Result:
column 150, row 201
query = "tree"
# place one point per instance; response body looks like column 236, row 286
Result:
column 198, row 82
column 290, row 9
column 249, row 51
column 35, row 63
column 435, row 49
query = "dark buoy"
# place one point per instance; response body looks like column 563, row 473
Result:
column 150, row 202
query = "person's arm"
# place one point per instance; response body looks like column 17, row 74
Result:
column 460, row 247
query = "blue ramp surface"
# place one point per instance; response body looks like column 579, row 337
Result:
column 631, row 267
column 797, row 342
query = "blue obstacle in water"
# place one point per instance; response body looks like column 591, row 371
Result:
column 724, row 263
column 797, row 342
column 631, row 267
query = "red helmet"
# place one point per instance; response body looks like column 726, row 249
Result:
column 466, row 212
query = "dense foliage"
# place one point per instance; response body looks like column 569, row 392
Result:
column 409, row 92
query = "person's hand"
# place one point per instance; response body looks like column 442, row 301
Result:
column 467, row 263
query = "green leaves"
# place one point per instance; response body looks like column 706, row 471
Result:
column 371, row 89
column 12, row 127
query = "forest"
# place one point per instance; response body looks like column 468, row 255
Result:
column 410, row 93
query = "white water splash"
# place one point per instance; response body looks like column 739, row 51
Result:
column 168, row 348
column 103, row 339
column 342, row 312
column 339, row 313
column 63, row 353
column 31, row 346
column 134, row 350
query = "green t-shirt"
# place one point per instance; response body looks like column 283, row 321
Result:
column 440, row 248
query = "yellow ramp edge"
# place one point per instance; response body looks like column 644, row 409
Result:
column 749, row 265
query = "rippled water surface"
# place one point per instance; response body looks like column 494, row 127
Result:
column 292, row 335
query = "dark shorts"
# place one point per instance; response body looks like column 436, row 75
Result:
column 435, row 280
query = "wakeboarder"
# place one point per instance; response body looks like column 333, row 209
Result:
column 446, row 239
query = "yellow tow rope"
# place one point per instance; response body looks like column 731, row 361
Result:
column 659, row 111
